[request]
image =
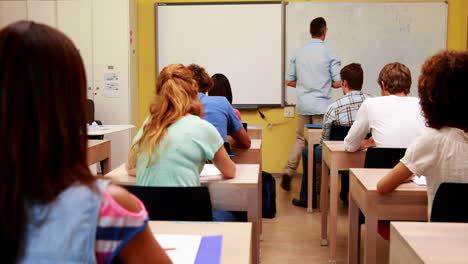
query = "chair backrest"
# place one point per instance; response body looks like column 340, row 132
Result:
column 175, row 203
column 449, row 203
column 338, row 133
column 383, row 158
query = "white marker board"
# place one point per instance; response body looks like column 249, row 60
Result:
column 372, row 34
column 242, row 40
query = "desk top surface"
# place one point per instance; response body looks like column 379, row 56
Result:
column 254, row 127
column 246, row 174
column 334, row 146
column 368, row 178
column 95, row 142
column 107, row 129
column 435, row 242
column 256, row 144
column 236, row 236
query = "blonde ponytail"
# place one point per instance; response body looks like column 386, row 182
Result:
column 176, row 96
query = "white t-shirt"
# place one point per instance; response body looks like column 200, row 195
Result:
column 394, row 121
column 440, row 155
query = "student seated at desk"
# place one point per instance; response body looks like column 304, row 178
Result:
column 394, row 119
column 218, row 111
column 54, row 209
column 222, row 87
column 342, row 113
column 174, row 143
column 441, row 152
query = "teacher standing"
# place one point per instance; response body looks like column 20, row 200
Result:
column 313, row 70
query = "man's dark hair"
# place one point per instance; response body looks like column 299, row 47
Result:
column 353, row 74
column 318, row 26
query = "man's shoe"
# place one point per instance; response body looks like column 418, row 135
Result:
column 298, row 202
column 286, row 182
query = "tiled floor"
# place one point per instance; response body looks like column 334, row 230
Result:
column 294, row 235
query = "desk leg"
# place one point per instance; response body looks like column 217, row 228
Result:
column 353, row 232
column 324, row 202
column 310, row 177
column 333, row 178
column 253, row 217
column 106, row 166
column 260, row 203
column 370, row 248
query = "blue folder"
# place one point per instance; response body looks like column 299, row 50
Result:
column 313, row 126
column 209, row 251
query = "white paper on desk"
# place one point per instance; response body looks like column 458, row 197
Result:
column 210, row 170
column 419, row 180
column 186, row 247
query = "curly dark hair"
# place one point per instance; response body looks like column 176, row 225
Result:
column 443, row 89
column 204, row 81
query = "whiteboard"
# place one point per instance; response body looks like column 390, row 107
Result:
column 244, row 41
column 372, row 34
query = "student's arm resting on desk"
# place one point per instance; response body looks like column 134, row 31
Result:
column 358, row 131
column 241, row 139
column 224, row 164
column 143, row 248
column 235, row 129
column 419, row 157
column 398, row 175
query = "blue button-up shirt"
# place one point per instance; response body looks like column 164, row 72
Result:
column 313, row 67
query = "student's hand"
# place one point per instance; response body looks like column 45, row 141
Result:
column 130, row 171
column 409, row 178
column 367, row 143
column 241, row 139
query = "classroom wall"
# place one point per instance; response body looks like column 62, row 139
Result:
column 278, row 140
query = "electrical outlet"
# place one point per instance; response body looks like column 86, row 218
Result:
column 289, row 111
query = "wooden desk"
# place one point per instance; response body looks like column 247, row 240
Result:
column 334, row 158
column 238, row 194
column 313, row 138
column 254, row 131
column 407, row 202
column 236, row 236
column 99, row 150
column 413, row 242
column 253, row 155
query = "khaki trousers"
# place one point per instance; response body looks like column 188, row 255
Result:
column 299, row 144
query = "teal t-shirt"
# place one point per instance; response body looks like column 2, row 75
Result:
column 188, row 143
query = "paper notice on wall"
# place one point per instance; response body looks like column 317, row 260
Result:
column 112, row 84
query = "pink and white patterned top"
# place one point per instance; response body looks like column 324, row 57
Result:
column 117, row 227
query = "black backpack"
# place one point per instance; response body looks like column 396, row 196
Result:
column 268, row 195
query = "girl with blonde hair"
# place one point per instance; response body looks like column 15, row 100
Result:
column 172, row 146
